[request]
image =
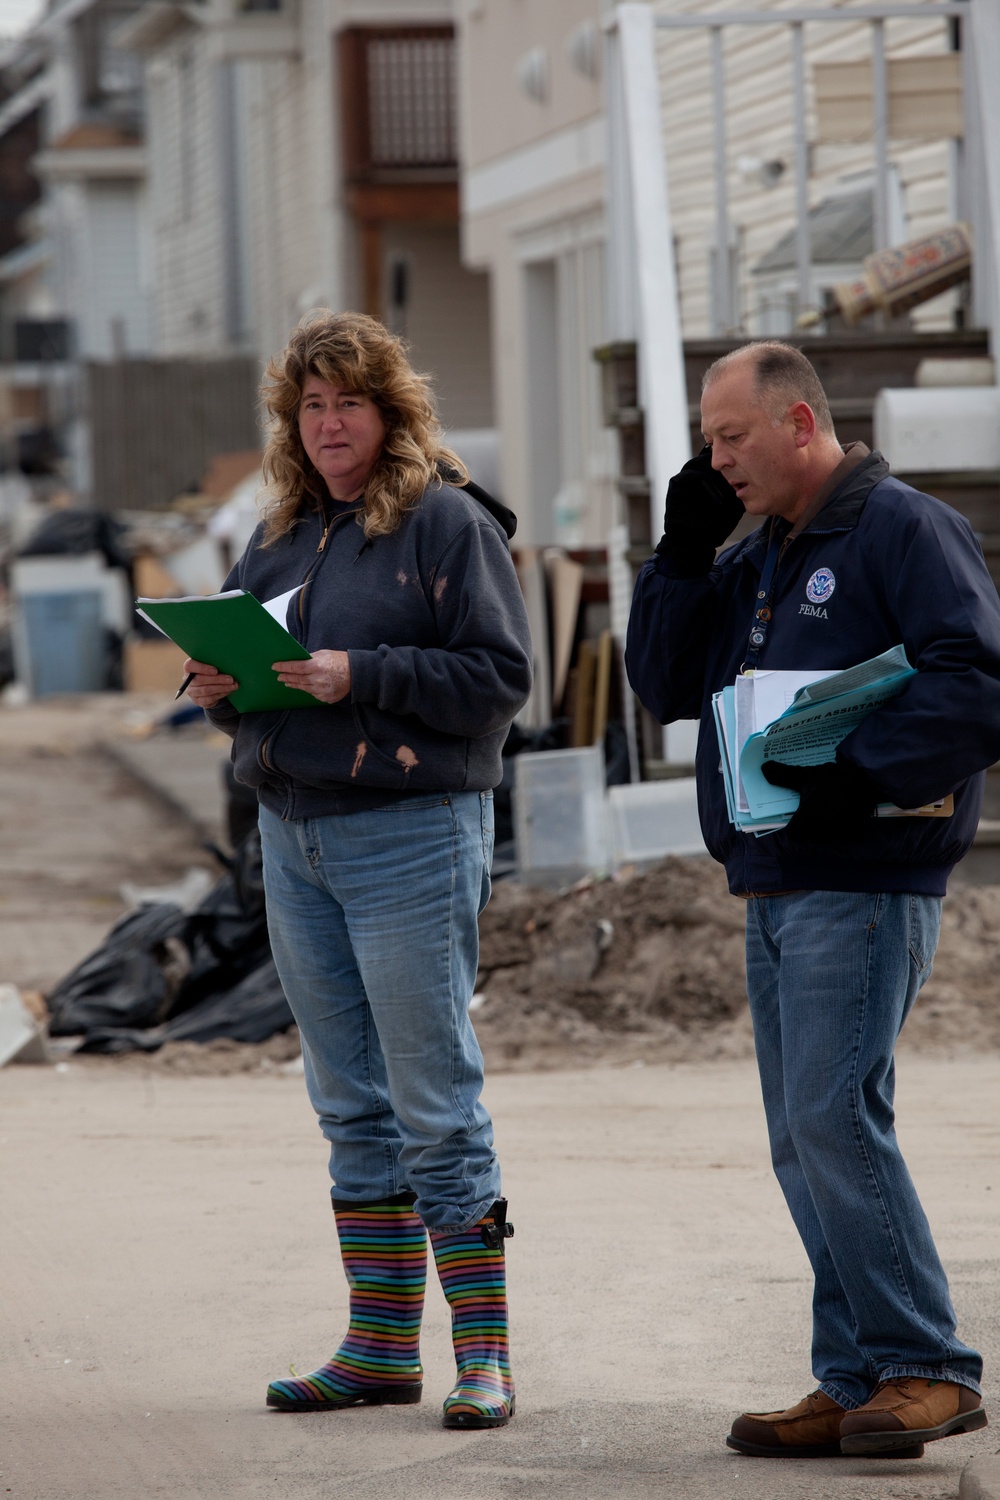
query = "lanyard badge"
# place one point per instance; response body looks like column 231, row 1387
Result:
column 763, row 611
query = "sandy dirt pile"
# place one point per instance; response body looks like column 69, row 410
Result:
column 646, row 967
column 73, row 828
column 652, row 968
column 958, row 1010
column 218, row 1059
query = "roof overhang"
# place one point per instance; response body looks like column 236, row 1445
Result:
column 252, row 34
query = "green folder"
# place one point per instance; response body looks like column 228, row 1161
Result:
column 235, row 633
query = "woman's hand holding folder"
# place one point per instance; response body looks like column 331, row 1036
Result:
column 208, row 686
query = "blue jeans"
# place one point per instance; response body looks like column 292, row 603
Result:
column 373, row 925
column 831, row 978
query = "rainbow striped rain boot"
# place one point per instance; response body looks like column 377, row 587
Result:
column 473, row 1276
column 384, row 1249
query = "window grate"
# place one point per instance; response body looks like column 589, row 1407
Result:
column 411, row 102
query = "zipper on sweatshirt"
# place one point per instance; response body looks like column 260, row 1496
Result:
column 329, row 524
column 262, row 748
column 333, row 521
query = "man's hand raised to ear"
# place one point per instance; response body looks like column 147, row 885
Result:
column 702, row 509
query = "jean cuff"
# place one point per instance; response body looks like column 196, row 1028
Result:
column 467, row 1225
column 930, row 1372
column 841, row 1396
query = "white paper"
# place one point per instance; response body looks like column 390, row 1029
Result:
column 277, row 607
column 191, row 598
column 762, row 697
column 773, row 693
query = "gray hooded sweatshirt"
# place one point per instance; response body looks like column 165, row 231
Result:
column 434, row 624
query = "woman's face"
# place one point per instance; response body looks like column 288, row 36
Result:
column 342, row 433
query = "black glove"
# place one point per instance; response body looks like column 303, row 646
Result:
column 702, row 509
column 836, row 800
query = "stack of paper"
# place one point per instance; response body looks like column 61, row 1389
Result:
column 799, row 718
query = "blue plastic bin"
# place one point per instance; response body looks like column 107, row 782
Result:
column 65, row 642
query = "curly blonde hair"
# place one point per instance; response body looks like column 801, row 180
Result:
column 355, row 353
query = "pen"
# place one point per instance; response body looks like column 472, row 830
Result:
column 184, row 686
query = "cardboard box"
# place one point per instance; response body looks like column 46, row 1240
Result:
column 152, row 579
column 153, row 666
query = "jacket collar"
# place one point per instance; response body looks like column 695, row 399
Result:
column 840, row 511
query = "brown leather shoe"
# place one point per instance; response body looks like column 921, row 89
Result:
column 810, row 1429
column 910, row 1410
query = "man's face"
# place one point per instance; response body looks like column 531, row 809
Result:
column 764, row 463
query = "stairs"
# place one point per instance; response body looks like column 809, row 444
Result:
column 853, row 368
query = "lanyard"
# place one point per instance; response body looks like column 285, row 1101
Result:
column 763, row 612
column 854, row 454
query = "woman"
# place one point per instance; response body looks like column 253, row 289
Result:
column 376, row 825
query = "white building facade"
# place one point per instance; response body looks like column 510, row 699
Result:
column 268, row 195
column 533, row 205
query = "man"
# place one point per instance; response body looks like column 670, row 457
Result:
column 843, row 907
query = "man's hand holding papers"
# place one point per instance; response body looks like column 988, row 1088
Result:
column 796, row 720
column 836, row 800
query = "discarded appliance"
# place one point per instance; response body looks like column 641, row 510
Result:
column 948, row 430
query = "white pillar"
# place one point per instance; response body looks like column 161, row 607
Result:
column 663, row 388
column 880, row 128
column 620, row 261
column 803, row 229
column 984, row 44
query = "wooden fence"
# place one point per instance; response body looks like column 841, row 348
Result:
column 156, row 423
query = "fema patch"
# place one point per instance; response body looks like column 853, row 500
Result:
column 820, row 587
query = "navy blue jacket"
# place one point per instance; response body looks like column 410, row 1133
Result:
column 434, row 624
column 906, row 568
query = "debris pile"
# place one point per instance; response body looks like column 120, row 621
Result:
column 651, row 968
column 646, row 967
column 957, row 1009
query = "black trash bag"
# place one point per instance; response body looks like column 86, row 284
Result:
column 132, row 980
column 617, row 768
column 160, row 961
column 226, row 934
column 251, row 1011
column 77, row 529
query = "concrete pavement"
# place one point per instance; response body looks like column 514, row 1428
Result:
column 981, row 1478
column 167, row 1247
column 184, row 770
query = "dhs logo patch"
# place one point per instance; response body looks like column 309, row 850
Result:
column 819, row 589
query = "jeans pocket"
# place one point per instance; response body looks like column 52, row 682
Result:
column 925, row 927
column 488, row 826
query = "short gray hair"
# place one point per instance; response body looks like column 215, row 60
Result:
column 782, row 376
